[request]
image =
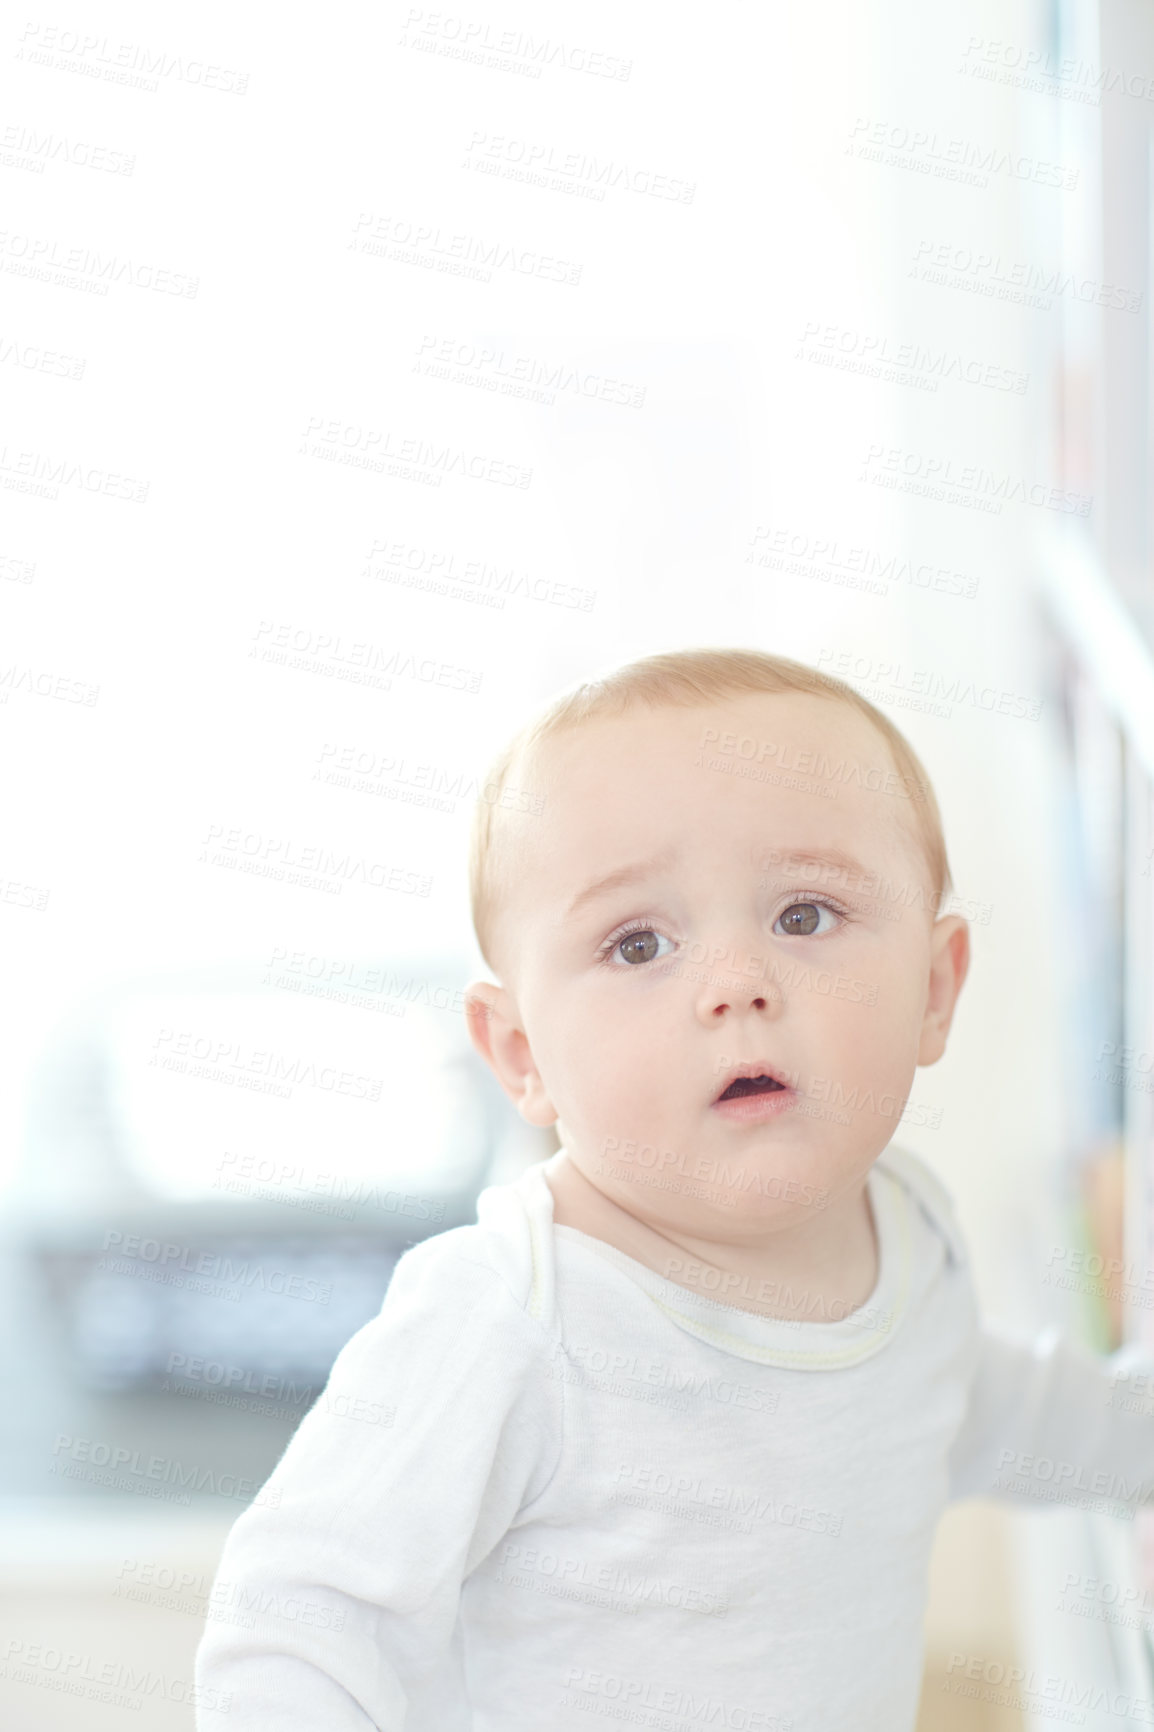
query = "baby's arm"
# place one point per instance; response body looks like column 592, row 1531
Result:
column 438, row 1425
column 1047, row 1425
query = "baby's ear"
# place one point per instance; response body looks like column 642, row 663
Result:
column 494, row 1025
column 481, row 998
column 949, row 965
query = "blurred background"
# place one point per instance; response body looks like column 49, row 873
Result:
column 368, row 381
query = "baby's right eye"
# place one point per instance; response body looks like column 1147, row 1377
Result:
column 636, row 945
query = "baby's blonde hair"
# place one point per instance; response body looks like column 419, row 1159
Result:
column 681, row 679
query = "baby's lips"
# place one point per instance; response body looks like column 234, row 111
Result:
column 772, row 1078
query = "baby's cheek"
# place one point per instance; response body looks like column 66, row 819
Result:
column 858, row 1042
column 629, row 1106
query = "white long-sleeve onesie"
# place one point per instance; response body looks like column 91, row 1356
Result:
column 546, row 1486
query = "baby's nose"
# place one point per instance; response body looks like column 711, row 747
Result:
column 737, row 981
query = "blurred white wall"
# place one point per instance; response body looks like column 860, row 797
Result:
column 725, row 322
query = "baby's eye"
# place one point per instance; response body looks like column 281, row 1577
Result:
column 800, row 919
column 637, row 946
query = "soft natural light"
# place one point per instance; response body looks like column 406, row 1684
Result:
column 241, row 1096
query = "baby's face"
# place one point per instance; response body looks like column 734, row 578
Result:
column 743, row 939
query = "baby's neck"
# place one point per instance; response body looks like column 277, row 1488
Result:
column 824, row 1269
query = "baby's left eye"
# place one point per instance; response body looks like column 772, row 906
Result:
column 800, row 919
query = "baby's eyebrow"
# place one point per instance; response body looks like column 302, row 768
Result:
column 786, row 858
column 765, row 859
column 622, row 875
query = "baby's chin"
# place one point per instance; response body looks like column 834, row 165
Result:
column 741, row 1200
column 789, row 1167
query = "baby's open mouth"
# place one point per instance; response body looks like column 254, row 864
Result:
column 749, row 1085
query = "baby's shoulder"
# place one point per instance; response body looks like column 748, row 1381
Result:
column 505, row 1251
column 930, row 1193
column 462, row 1300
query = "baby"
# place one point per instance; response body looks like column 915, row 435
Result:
column 666, row 1435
